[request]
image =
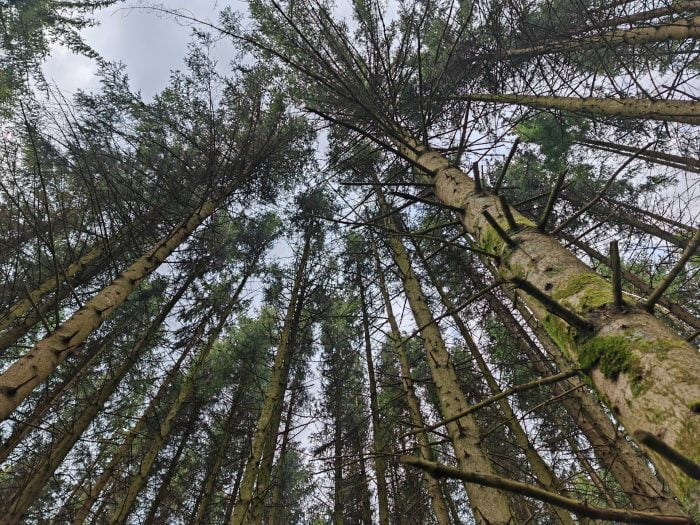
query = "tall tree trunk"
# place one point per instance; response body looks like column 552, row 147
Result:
column 658, row 157
column 657, row 371
column 92, row 492
column 276, row 501
column 679, row 29
column 217, row 456
column 274, row 393
column 637, row 108
column 25, row 374
column 33, row 486
column 437, row 499
column 338, row 482
column 25, row 427
column 541, row 471
column 489, row 506
column 613, row 451
column 158, row 439
column 172, row 469
column 377, row 431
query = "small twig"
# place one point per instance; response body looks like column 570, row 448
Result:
column 663, row 286
column 499, row 180
column 687, row 465
column 499, row 230
column 552, row 305
column 421, row 184
column 616, row 275
column 542, row 224
column 510, row 391
column 477, row 178
column 507, row 213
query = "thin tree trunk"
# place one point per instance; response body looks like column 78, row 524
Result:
column 377, row 432
column 158, row 439
column 488, row 506
column 34, row 485
column 338, row 483
column 636, row 108
column 679, row 29
column 541, row 471
column 660, row 371
column 274, row 394
column 172, row 469
column 217, row 456
column 93, row 491
column 25, row 374
column 437, row 499
column 658, row 157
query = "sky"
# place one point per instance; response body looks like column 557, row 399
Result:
column 149, row 44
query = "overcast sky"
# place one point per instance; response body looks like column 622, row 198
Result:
column 149, row 44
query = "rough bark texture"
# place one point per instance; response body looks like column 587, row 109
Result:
column 541, row 471
column 20, row 379
column 614, row 452
column 648, row 376
column 437, row 499
column 488, row 505
column 638, row 108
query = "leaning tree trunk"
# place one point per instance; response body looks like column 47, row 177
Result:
column 541, row 471
column 34, row 485
column 274, row 394
column 377, row 431
column 158, row 439
column 489, row 506
column 613, row 451
column 637, row 364
column 25, row 374
column 637, row 108
column 437, row 498
column 679, row 29
column 657, row 157
column 92, row 493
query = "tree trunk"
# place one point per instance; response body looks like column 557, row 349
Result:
column 636, row 108
column 274, row 393
column 20, row 379
column 172, row 469
column 541, row 471
column 377, row 433
column 437, row 499
column 679, row 29
column 657, row 372
column 93, row 491
column 26, row 495
column 658, row 157
column 158, row 439
column 488, row 506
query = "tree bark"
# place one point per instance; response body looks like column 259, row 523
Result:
column 25, row 374
column 158, row 439
column 660, row 371
column 274, row 394
column 635, row 108
column 488, row 506
column 437, row 498
column 377, row 434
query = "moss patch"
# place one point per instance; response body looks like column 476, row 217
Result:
column 594, row 291
column 609, row 353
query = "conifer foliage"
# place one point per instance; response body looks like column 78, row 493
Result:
column 396, row 262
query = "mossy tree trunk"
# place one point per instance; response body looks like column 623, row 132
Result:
column 637, row 364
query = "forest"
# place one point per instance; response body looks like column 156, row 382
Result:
column 393, row 262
